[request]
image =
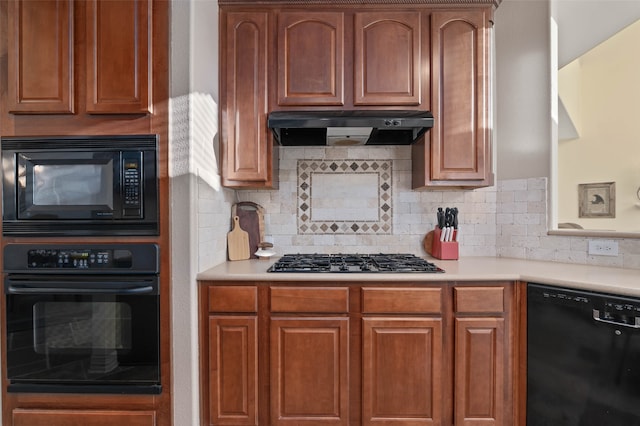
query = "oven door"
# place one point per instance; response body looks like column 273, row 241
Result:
column 96, row 334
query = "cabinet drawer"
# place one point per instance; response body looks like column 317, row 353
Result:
column 35, row 417
column 401, row 300
column 310, row 299
column 478, row 299
column 233, row 299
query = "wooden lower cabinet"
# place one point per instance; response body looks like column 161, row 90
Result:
column 402, row 371
column 437, row 354
column 479, row 372
column 34, row 417
column 309, row 371
column 233, row 370
column 483, row 356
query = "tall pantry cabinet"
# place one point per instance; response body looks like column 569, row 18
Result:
column 285, row 56
column 89, row 67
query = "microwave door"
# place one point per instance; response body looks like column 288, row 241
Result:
column 75, row 187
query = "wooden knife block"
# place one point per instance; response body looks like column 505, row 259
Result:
column 444, row 250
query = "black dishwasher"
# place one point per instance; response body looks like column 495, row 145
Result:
column 583, row 358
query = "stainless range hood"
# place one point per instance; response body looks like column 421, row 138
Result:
column 345, row 128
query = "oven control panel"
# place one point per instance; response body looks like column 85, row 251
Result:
column 78, row 259
column 72, row 259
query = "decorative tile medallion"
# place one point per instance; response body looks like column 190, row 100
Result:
column 344, row 197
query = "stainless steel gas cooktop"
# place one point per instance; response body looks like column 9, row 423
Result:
column 351, row 263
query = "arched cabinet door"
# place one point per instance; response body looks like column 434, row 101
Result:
column 459, row 153
column 310, row 58
column 388, row 58
column 245, row 140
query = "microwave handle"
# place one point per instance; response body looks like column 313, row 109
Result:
column 25, row 289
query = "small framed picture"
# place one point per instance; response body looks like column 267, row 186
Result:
column 597, row 199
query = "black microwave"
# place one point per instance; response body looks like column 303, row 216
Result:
column 80, row 185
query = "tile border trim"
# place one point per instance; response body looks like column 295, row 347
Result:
column 307, row 226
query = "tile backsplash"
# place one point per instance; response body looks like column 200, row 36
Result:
column 506, row 220
column 359, row 199
column 522, row 230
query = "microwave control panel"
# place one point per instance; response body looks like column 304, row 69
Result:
column 78, row 259
column 132, row 184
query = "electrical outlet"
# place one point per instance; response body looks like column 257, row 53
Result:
column 603, row 247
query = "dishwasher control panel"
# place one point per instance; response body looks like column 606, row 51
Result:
column 606, row 308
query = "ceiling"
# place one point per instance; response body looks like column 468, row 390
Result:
column 583, row 24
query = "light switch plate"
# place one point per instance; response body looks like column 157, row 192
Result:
column 603, row 247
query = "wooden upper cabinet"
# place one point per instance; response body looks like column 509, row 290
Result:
column 118, row 56
column 350, row 59
column 43, row 53
column 460, row 139
column 245, row 139
column 40, row 56
column 387, row 58
column 374, row 57
column 310, row 58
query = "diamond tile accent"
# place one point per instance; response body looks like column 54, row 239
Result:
column 351, row 197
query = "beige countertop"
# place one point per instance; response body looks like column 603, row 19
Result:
column 597, row 278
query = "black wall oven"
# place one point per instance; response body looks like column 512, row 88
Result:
column 80, row 185
column 82, row 319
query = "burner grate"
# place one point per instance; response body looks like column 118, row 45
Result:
column 346, row 263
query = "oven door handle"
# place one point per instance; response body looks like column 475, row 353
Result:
column 26, row 289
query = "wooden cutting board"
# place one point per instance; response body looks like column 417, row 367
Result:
column 238, row 242
column 428, row 242
column 251, row 220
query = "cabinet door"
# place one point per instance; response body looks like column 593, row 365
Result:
column 34, row 417
column 309, row 371
column 460, row 139
column 310, row 58
column 479, row 372
column 233, row 370
column 244, row 137
column 402, row 364
column 387, row 58
column 118, row 56
column 40, row 56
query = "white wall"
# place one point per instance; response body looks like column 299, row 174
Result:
column 523, row 99
column 199, row 205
